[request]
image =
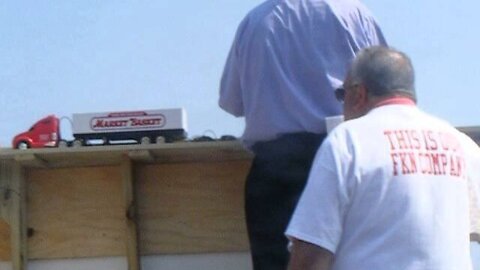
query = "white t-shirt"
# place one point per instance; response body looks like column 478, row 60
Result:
column 389, row 191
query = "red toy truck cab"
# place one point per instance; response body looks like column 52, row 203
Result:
column 44, row 133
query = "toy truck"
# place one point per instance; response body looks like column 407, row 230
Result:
column 109, row 127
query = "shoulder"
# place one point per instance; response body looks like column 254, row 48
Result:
column 352, row 13
column 259, row 12
column 262, row 9
column 348, row 7
column 255, row 17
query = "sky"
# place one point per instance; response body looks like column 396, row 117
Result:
column 65, row 57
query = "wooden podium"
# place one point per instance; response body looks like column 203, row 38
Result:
column 124, row 200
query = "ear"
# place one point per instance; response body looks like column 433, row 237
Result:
column 361, row 99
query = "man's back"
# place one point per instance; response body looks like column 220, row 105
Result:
column 401, row 177
column 287, row 58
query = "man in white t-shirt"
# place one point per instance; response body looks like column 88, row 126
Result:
column 389, row 188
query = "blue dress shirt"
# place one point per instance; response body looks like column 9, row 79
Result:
column 287, row 58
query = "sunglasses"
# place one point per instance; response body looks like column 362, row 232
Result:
column 340, row 92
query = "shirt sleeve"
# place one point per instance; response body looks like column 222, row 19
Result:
column 230, row 84
column 320, row 213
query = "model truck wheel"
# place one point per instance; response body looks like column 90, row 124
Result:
column 145, row 140
column 62, row 144
column 23, row 145
column 77, row 143
column 160, row 139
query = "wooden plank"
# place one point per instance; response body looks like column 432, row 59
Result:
column 141, row 156
column 17, row 220
column 76, row 212
column 5, row 244
column 5, row 179
column 64, row 158
column 113, row 154
column 31, row 160
column 130, row 215
column 192, row 207
column 13, row 213
column 5, row 168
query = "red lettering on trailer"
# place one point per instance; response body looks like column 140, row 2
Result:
column 146, row 122
column 111, row 123
column 119, row 123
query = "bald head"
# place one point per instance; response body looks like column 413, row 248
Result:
column 384, row 72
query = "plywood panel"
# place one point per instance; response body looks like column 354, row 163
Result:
column 187, row 207
column 192, row 207
column 75, row 212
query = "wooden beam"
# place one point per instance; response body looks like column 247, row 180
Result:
column 31, row 160
column 141, row 156
column 112, row 155
column 131, row 219
column 5, row 253
column 5, row 202
column 4, row 188
column 18, row 224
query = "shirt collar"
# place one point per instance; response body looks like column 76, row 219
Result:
column 396, row 101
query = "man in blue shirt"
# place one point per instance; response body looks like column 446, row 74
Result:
column 287, row 58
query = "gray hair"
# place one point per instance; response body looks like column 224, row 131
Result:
column 384, row 71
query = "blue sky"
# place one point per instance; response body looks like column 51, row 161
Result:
column 64, row 57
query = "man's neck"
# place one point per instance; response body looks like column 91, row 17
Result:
column 391, row 100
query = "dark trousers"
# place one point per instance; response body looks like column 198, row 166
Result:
column 274, row 184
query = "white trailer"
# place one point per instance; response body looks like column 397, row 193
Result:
column 142, row 126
